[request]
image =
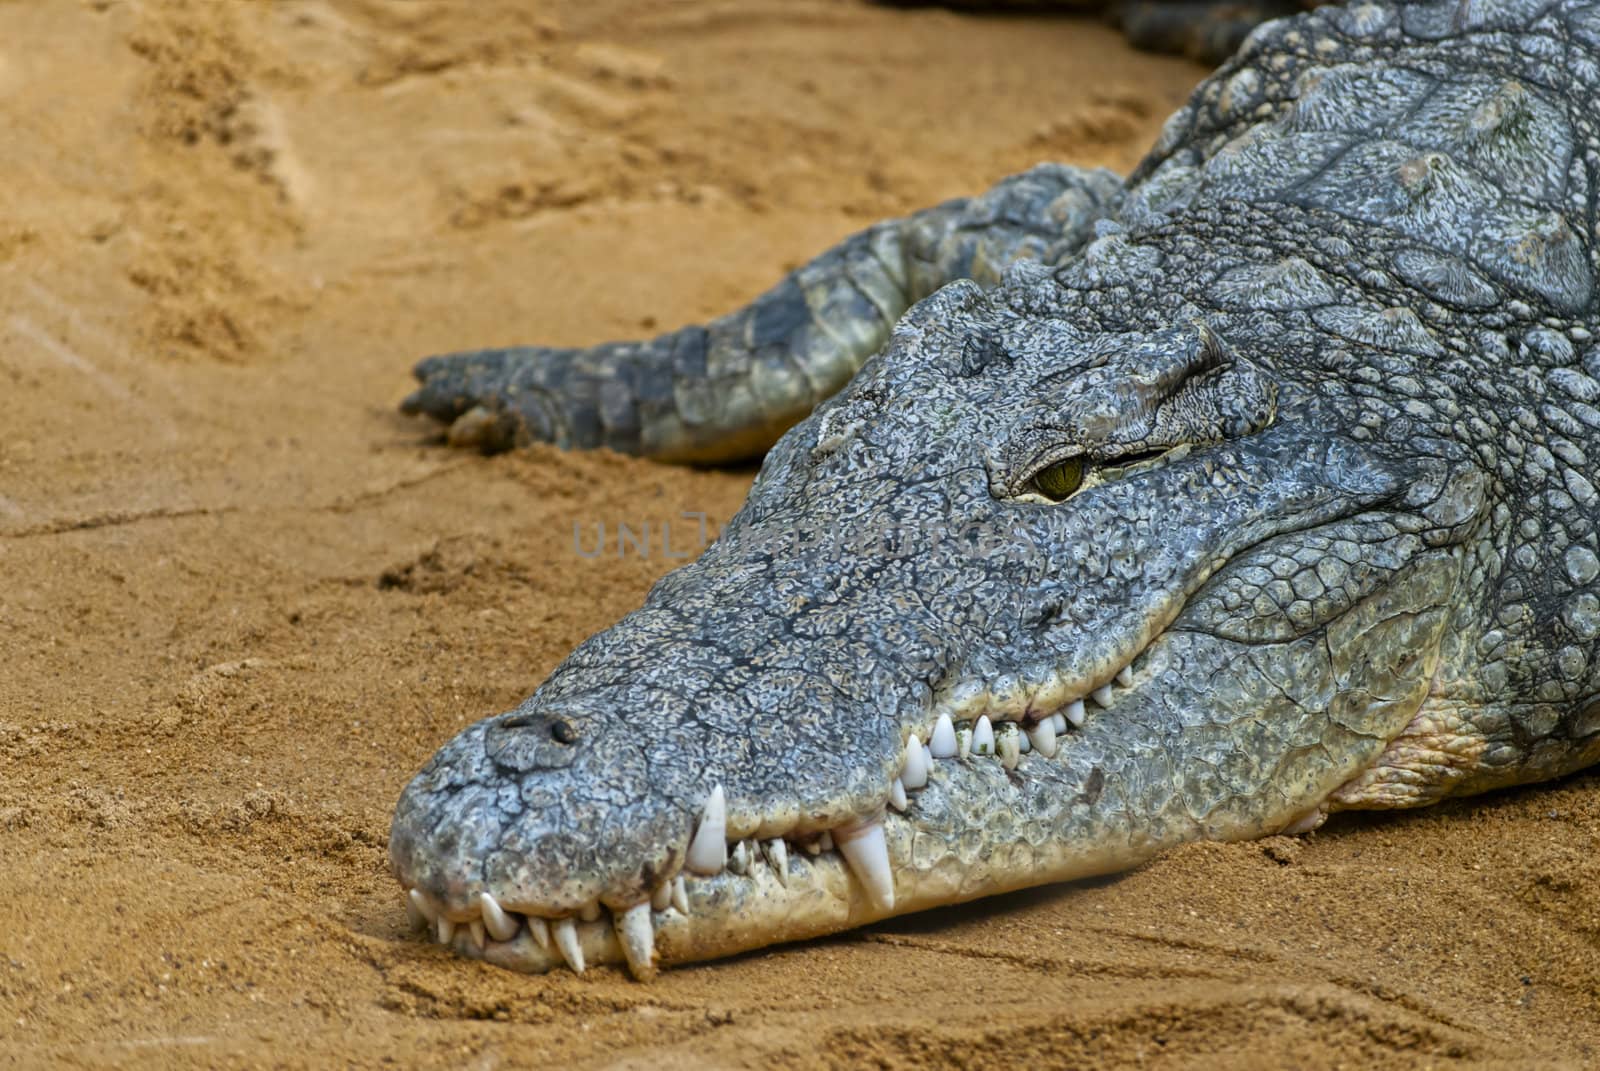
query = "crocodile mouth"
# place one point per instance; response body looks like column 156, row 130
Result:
column 737, row 892
column 724, row 825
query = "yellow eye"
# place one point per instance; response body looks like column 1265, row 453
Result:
column 1059, row 480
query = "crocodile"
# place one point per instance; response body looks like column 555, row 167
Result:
column 1099, row 516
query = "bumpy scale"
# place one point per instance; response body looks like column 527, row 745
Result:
column 1253, row 489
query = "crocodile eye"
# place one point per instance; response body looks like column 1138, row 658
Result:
column 562, row 732
column 1059, row 480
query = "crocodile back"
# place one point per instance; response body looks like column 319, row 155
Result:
column 1463, row 132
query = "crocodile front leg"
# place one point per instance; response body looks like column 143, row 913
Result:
column 727, row 390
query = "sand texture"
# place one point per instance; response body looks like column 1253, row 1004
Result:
column 242, row 599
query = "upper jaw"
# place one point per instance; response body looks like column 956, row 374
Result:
column 854, row 860
column 556, row 832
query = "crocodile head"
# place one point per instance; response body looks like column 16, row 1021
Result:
column 1052, row 585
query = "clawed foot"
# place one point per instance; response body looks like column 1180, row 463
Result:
column 491, row 400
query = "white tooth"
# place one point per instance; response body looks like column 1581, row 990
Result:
column 680, row 895
column 566, row 935
column 866, row 853
column 1024, row 744
column 589, row 912
column 778, row 855
column 1304, row 824
column 708, row 852
column 963, row 743
column 424, row 907
column 1125, row 676
column 915, row 774
column 983, row 737
column 897, row 795
column 414, row 916
column 1074, row 713
column 539, row 930
column 1044, row 738
column 943, row 741
column 661, row 899
column 1009, row 747
column 1059, row 720
column 501, row 927
column 445, row 929
column 475, row 928
column 812, row 847
column 1102, row 695
column 739, row 859
column 638, row 939
column 825, row 842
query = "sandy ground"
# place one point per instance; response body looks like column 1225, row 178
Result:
column 242, row 599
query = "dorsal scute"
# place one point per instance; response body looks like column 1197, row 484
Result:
column 1442, row 19
column 1480, row 151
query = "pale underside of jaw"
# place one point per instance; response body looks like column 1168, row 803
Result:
column 728, row 913
column 737, row 893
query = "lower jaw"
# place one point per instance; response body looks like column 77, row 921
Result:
column 976, row 830
column 732, row 913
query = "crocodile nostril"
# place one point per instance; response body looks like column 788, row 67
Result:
column 533, row 740
column 561, row 730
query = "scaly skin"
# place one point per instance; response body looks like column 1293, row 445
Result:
column 1331, row 376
